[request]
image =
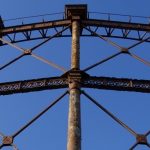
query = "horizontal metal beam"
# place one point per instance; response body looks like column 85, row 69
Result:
column 117, row 25
column 106, row 83
column 61, row 23
column 126, row 30
column 118, row 84
column 32, row 85
column 34, row 26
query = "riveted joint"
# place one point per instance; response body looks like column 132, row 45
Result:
column 75, row 78
column 27, row 52
column 7, row 140
column 125, row 50
column 141, row 139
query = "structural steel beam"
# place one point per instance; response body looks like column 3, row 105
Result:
column 32, row 85
column 117, row 24
column 34, row 26
column 61, row 23
column 106, row 83
column 119, row 84
column 27, row 29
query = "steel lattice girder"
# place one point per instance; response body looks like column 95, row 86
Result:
column 88, row 22
column 32, row 85
column 105, row 83
column 125, row 28
column 117, row 24
column 119, row 84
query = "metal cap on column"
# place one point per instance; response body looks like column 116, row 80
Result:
column 76, row 13
column 79, row 10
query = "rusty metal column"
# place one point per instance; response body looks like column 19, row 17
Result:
column 74, row 120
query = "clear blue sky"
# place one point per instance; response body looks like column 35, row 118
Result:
column 99, row 132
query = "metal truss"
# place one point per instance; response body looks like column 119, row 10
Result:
column 26, row 32
column 76, row 23
column 132, row 31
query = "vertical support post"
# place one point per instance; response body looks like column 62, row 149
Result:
column 76, row 13
column 75, row 57
column 74, row 119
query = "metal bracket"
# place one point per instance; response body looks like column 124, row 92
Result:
column 75, row 77
column 7, row 141
column 27, row 52
column 142, row 139
column 125, row 50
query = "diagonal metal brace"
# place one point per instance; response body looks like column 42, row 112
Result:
column 39, row 115
column 110, row 114
column 1, row 27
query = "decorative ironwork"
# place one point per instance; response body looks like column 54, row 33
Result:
column 86, row 81
column 118, row 84
column 33, row 85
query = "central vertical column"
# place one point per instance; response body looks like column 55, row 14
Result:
column 74, row 121
column 75, row 57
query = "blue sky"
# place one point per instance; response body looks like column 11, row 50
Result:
column 99, row 131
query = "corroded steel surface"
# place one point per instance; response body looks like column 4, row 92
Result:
column 107, row 83
column 127, row 30
column 77, row 21
column 74, row 116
